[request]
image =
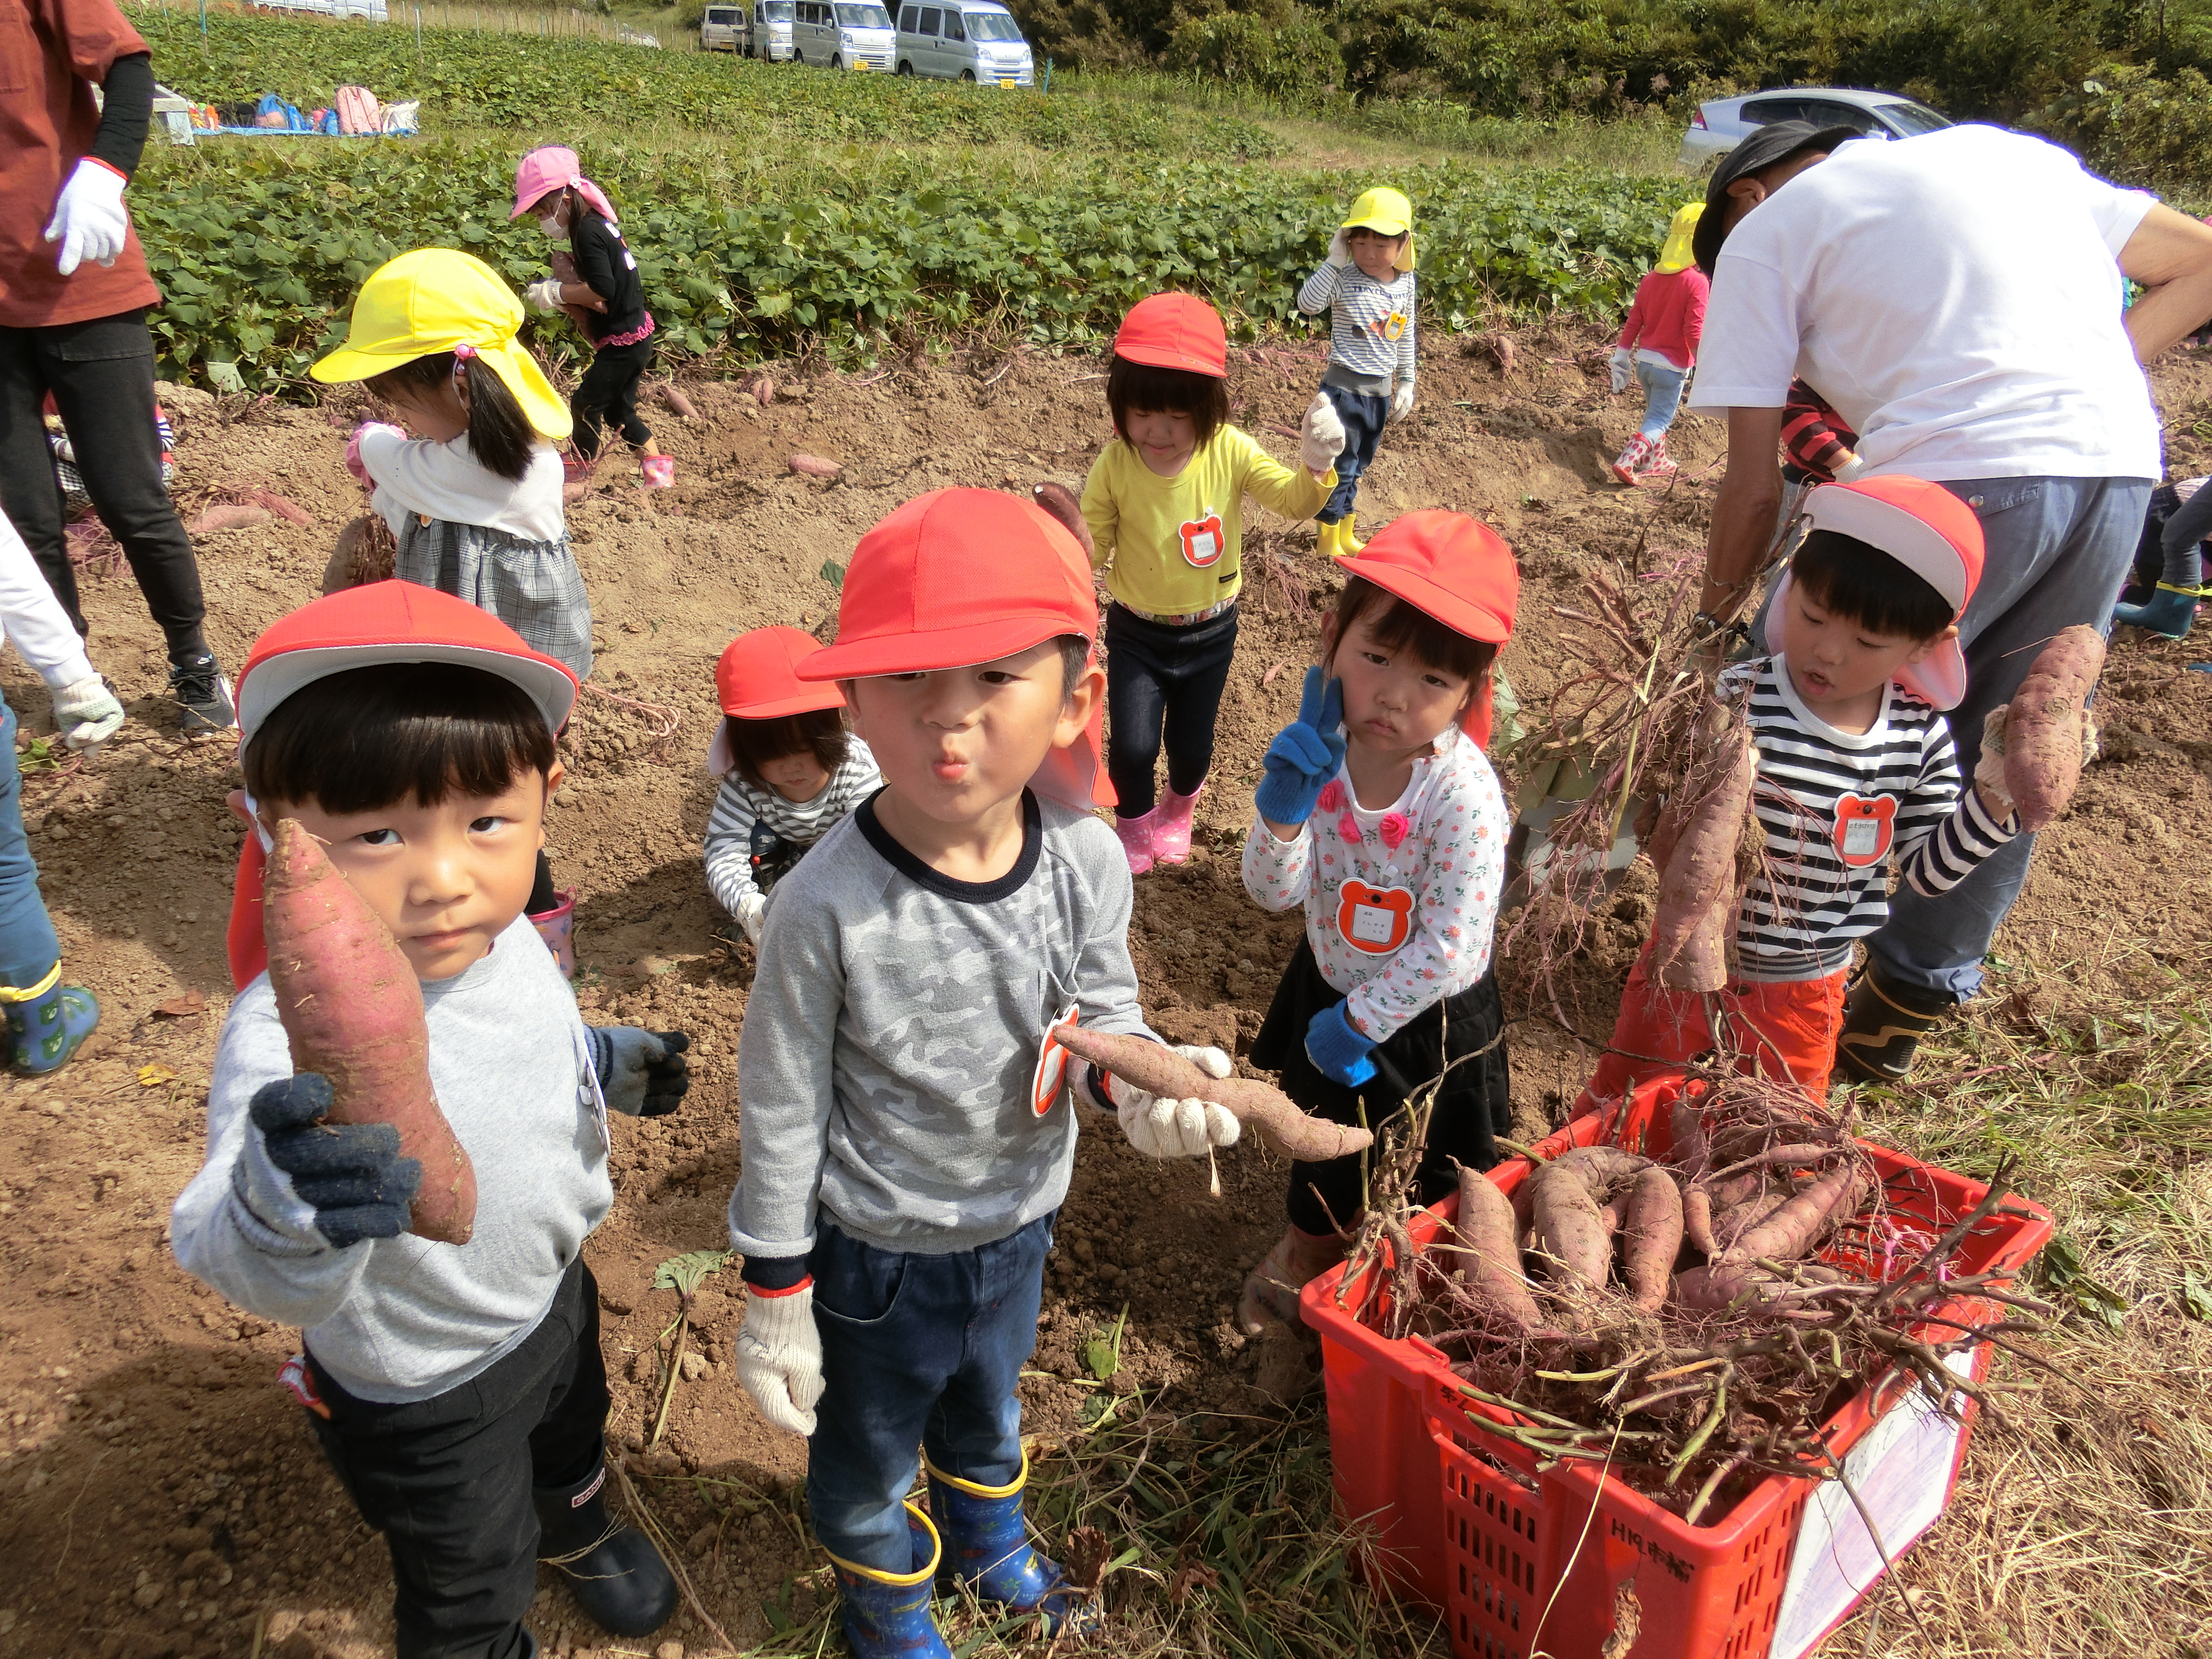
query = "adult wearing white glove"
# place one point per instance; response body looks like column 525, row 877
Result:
column 779, row 1357
column 74, row 296
column 1320, row 436
column 85, row 713
column 1160, row 1126
column 1401, row 402
column 1624, row 369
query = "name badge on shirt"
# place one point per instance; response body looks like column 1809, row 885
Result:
column 1051, row 1073
column 1375, row 919
column 1864, row 829
column 1203, row 540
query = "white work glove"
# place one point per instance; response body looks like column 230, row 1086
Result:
column 1339, row 254
column 87, row 712
column 779, row 1358
column 1161, row 1127
column 89, row 220
column 1990, row 769
column 1624, row 367
column 752, row 910
column 546, row 295
column 1320, row 436
column 1401, row 402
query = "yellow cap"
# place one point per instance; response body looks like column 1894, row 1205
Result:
column 436, row 300
column 1386, row 212
column 1676, row 255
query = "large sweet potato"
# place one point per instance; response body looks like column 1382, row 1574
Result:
column 1654, row 1237
column 1698, row 885
column 1570, row 1231
column 353, row 1009
column 1489, row 1250
column 2043, row 728
column 1793, row 1227
column 1159, row 1070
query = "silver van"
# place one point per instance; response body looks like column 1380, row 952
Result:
column 769, row 37
column 964, row 40
column 847, row 34
column 722, row 29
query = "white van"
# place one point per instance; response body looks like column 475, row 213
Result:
column 965, row 40
column 769, row 37
column 849, row 34
column 722, row 29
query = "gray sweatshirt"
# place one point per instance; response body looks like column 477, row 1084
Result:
column 894, row 1030
column 404, row 1319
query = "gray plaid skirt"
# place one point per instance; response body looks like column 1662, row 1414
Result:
column 534, row 587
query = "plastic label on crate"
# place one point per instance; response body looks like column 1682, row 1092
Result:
column 1902, row 1471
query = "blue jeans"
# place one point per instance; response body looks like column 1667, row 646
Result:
column 2057, row 550
column 917, row 1350
column 27, row 945
column 1363, row 414
column 1662, row 396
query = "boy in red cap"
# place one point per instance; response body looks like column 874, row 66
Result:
column 1164, row 503
column 1855, row 770
column 458, row 1389
column 1379, row 812
column 790, row 770
column 908, row 1130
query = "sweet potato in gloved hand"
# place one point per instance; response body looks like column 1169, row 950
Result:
column 1161, row 1127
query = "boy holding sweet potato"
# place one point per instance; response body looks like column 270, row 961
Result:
column 458, row 1389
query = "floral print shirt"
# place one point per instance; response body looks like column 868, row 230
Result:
column 1442, row 843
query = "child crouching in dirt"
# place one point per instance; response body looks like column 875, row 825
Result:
column 1379, row 812
column 457, row 1389
column 1658, row 347
column 1367, row 287
column 474, row 505
column 909, row 1129
column 790, row 770
column 1856, row 769
column 1165, row 502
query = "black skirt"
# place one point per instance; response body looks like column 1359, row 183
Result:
column 1474, row 1105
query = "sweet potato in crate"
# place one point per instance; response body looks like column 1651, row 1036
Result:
column 1520, row 1559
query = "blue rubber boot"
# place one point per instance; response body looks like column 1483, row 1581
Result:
column 2168, row 612
column 48, row 1023
column 988, row 1550
column 886, row 1615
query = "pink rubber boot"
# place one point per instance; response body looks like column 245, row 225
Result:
column 1136, row 835
column 1657, row 465
column 557, row 928
column 659, row 472
column 1171, row 834
column 1632, row 458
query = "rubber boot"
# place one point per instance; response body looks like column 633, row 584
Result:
column 1136, row 835
column 1171, row 825
column 659, row 472
column 2169, row 612
column 48, row 1023
column 1347, row 543
column 557, row 928
column 1883, row 1024
column 986, row 1549
column 1327, row 541
column 1631, row 457
column 617, row 1576
column 1271, row 1290
column 1657, row 465
column 886, row 1615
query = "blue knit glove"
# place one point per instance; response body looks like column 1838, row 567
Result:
column 350, row 1175
column 1304, row 756
column 1337, row 1052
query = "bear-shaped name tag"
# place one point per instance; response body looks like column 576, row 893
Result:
column 1864, row 829
column 1375, row 919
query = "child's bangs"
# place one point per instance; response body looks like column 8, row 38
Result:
column 1859, row 582
column 1148, row 389
column 374, row 736
column 1397, row 626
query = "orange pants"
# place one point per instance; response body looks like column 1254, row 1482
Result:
column 1786, row 1032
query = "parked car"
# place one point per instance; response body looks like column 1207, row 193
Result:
column 769, row 37
column 966, row 40
column 847, row 35
column 1719, row 126
column 722, row 29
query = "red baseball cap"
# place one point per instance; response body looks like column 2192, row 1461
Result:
column 393, row 622
column 1175, row 331
column 1452, row 568
column 1929, row 530
column 959, row 577
column 757, row 679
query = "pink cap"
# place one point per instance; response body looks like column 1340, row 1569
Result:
column 551, row 167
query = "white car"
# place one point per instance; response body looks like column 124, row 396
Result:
column 964, row 40
column 1719, row 126
column 769, row 37
column 846, row 35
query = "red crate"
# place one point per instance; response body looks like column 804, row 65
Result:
column 1514, row 1558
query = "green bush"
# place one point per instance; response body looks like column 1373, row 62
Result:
column 1293, row 58
column 2127, row 123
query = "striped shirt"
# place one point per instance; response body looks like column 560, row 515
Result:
column 1370, row 327
column 740, row 805
column 1837, row 807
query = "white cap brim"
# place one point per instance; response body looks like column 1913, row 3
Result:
column 276, row 678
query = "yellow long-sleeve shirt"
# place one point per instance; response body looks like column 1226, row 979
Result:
column 1174, row 546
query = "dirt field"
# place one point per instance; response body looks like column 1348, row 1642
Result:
column 158, row 1494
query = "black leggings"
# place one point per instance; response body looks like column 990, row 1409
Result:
column 608, row 392
column 1162, row 680
column 1474, row 1104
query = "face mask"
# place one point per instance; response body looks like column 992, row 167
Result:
column 552, row 229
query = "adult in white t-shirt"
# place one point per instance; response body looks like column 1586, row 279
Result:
column 1958, row 298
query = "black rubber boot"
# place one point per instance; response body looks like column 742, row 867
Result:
column 1883, row 1024
column 619, row 1578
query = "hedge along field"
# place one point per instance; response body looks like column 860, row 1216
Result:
column 539, row 86
column 259, row 249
